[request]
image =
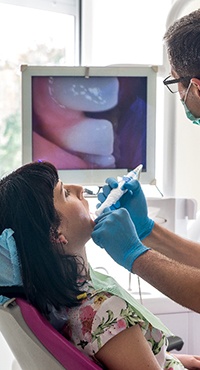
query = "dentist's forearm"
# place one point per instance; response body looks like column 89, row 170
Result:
column 179, row 282
column 173, row 246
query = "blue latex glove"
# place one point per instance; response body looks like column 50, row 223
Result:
column 135, row 203
column 115, row 232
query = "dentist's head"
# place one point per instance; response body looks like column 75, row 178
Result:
column 182, row 41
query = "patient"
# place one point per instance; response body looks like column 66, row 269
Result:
column 49, row 223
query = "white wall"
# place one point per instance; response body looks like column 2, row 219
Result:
column 187, row 154
column 116, row 31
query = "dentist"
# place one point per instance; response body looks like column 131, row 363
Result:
column 167, row 261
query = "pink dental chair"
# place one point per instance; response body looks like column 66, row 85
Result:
column 35, row 344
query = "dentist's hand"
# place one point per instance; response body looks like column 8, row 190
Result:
column 135, row 203
column 115, row 232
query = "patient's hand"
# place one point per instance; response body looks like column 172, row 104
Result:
column 189, row 361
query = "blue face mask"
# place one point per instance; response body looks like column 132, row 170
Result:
column 189, row 114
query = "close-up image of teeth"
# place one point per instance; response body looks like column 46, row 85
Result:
column 91, row 95
column 85, row 94
column 95, row 122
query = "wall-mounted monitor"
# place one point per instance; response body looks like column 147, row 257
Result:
column 91, row 122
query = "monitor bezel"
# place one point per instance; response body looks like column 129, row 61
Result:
column 91, row 177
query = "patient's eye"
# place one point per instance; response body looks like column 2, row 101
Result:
column 67, row 192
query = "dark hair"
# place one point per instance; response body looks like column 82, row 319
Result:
column 182, row 40
column 26, row 206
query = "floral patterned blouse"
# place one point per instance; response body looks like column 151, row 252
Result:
column 101, row 316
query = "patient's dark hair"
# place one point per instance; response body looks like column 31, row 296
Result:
column 26, row 206
column 183, row 46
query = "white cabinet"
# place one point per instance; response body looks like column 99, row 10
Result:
column 194, row 333
column 178, row 323
column 175, row 317
column 179, row 320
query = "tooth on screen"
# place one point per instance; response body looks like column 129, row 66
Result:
column 92, row 94
column 92, row 136
column 100, row 160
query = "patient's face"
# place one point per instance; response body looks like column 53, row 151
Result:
column 76, row 223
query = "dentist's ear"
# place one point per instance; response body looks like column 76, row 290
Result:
column 196, row 82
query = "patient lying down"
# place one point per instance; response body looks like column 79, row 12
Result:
column 44, row 226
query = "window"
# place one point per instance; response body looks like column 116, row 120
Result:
column 46, row 36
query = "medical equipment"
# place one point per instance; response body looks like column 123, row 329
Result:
column 117, row 193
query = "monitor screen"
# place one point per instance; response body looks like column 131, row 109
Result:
column 90, row 122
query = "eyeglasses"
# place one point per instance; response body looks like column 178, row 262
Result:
column 170, row 81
